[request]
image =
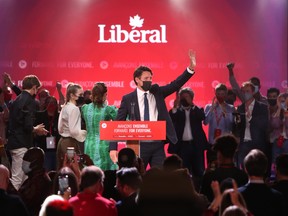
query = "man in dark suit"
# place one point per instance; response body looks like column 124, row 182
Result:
column 259, row 197
column 281, row 183
column 22, row 126
column 134, row 106
column 252, row 124
column 187, row 119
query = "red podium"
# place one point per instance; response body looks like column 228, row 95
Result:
column 132, row 132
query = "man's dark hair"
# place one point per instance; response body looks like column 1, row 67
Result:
column 226, row 145
column 255, row 81
column 126, row 158
column 172, row 162
column 129, row 176
column 222, row 87
column 273, row 90
column 188, row 91
column 282, row 164
column 256, row 163
column 29, row 81
column 138, row 72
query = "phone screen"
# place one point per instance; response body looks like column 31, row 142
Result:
column 63, row 184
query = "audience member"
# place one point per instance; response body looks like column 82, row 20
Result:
column 223, row 199
column 231, row 97
column 260, row 199
column 128, row 184
column 219, row 114
column 4, row 116
column 88, row 96
column 277, row 135
column 69, row 125
column 172, row 163
column 236, row 88
column 38, row 185
column 93, row 113
column 126, row 158
column 281, row 183
column 43, row 94
column 55, row 205
column 187, row 120
column 21, row 127
column 234, row 210
column 253, row 124
column 220, row 120
column 9, row 204
column 147, row 103
column 225, row 147
column 90, row 200
column 169, row 193
column 73, row 182
column 49, row 116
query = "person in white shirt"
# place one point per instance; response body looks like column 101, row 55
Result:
column 69, row 124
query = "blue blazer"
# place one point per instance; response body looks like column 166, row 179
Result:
column 129, row 108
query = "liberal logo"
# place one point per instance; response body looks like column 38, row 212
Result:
column 118, row 35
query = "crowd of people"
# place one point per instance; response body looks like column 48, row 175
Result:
column 53, row 161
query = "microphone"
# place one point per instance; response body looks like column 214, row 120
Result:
column 132, row 117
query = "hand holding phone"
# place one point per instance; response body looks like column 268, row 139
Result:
column 63, row 184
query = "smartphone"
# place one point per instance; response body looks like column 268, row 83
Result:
column 63, row 184
column 70, row 153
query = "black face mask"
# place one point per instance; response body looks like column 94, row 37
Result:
column 80, row 100
column 146, row 85
column 87, row 101
column 230, row 101
column 184, row 103
column 272, row 102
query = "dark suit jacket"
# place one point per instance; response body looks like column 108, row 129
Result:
column 12, row 205
column 197, row 116
column 262, row 200
column 21, row 121
column 160, row 93
column 258, row 125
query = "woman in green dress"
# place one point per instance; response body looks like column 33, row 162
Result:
column 93, row 113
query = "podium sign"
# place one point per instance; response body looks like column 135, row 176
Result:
column 132, row 130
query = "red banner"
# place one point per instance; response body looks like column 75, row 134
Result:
column 132, row 130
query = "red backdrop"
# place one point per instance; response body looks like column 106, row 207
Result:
column 59, row 41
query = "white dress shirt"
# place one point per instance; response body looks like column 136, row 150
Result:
column 248, row 116
column 153, row 112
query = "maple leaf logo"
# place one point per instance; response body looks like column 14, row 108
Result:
column 136, row 22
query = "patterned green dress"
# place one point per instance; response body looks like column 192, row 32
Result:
column 97, row 149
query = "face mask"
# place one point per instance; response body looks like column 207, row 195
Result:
column 272, row 102
column 184, row 103
column 220, row 99
column 26, row 167
column 247, row 96
column 229, row 101
column 146, row 85
column 87, row 101
column 256, row 89
column 80, row 100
